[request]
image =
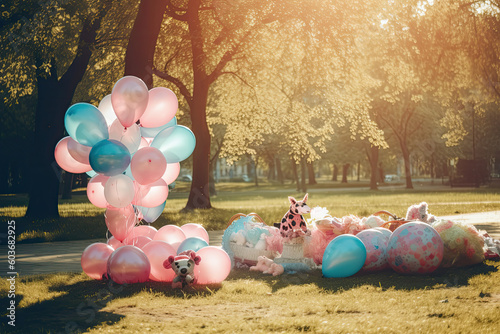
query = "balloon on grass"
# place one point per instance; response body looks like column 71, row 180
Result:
column 95, row 258
column 176, row 143
column 214, row 267
column 85, row 124
column 145, row 230
column 376, row 249
column 128, row 264
column 129, row 99
column 343, row 257
column 157, row 252
column 415, row 248
column 109, row 157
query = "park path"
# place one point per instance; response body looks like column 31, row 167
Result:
column 64, row 256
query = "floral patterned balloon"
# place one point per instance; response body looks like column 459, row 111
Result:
column 376, row 245
column 415, row 248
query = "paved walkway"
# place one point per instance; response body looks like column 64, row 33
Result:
column 64, row 256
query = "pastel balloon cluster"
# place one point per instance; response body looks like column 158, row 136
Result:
column 140, row 256
column 413, row 248
column 131, row 145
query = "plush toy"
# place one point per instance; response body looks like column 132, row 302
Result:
column 263, row 264
column 275, row 269
column 293, row 219
column 419, row 212
column 261, row 244
column 373, row 221
column 253, row 232
column 239, row 237
column 183, row 266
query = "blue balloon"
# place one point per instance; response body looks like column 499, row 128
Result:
column 344, row 256
column 85, row 124
column 151, row 214
column 192, row 243
column 176, row 143
column 152, row 132
column 109, row 157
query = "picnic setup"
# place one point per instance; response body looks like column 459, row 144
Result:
column 132, row 163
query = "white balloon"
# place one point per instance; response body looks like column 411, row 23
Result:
column 130, row 137
column 119, row 191
column 106, row 109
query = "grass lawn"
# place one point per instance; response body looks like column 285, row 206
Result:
column 81, row 220
column 464, row 300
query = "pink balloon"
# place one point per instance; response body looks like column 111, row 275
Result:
column 95, row 190
column 214, row 267
column 148, row 165
column 128, row 264
column 162, row 107
column 172, row 172
column 145, row 230
column 119, row 191
column 106, row 110
column 195, row 230
column 129, row 99
column 172, row 234
column 113, row 242
column 95, row 258
column 137, row 241
column 150, row 195
column 78, row 151
column 128, row 136
column 157, row 252
column 120, row 221
column 66, row 161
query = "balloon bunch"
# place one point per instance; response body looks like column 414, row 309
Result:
column 131, row 146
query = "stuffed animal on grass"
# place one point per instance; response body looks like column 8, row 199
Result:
column 263, row 264
column 419, row 212
column 275, row 269
column 183, row 266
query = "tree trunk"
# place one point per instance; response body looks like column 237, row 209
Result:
column 256, row 177
column 358, row 169
column 373, row 158
column 67, row 181
column 345, row 169
column 279, row 171
column 295, row 173
column 335, row 173
column 53, row 99
column 199, row 196
column 142, row 41
column 211, row 177
column 406, row 157
column 310, row 171
column 303, row 167
column 271, row 175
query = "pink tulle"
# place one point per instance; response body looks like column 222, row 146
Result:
column 274, row 241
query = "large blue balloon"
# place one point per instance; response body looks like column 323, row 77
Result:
column 176, row 143
column 151, row 214
column 109, row 157
column 152, row 132
column 85, row 124
column 192, row 243
column 343, row 257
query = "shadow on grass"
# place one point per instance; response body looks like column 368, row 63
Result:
column 80, row 306
column 443, row 278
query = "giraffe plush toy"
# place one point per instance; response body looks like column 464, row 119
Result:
column 293, row 221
